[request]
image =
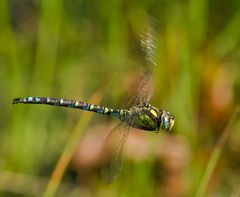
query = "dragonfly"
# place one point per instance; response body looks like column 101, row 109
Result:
column 140, row 114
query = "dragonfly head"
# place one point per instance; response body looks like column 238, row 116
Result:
column 167, row 120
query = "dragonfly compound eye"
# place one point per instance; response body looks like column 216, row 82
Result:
column 167, row 121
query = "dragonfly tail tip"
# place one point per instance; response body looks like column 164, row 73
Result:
column 16, row 100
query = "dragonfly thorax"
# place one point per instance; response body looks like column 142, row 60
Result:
column 149, row 118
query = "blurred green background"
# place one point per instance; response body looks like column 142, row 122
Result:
column 87, row 50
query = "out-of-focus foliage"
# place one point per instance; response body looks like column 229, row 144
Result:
column 73, row 49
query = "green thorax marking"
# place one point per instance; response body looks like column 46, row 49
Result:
column 145, row 117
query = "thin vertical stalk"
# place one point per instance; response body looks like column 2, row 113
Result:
column 69, row 149
column 215, row 156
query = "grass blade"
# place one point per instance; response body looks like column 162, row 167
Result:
column 69, row 149
column 215, row 155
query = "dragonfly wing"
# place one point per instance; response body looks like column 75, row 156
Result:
column 114, row 152
column 148, row 44
column 142, row 90
column 149, row 41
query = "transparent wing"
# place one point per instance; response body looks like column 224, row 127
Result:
column 114, row 152
column 148, row 44
column 143, row 90
column 149, row 41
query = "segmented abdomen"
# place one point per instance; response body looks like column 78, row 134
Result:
column 121, row 114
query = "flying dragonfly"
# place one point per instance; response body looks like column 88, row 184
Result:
column 141, row 114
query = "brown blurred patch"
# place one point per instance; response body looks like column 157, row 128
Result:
column 89, row 153
column 217, row 90
column 175, row 157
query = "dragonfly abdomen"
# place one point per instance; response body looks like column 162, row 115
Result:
column 118, row 113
